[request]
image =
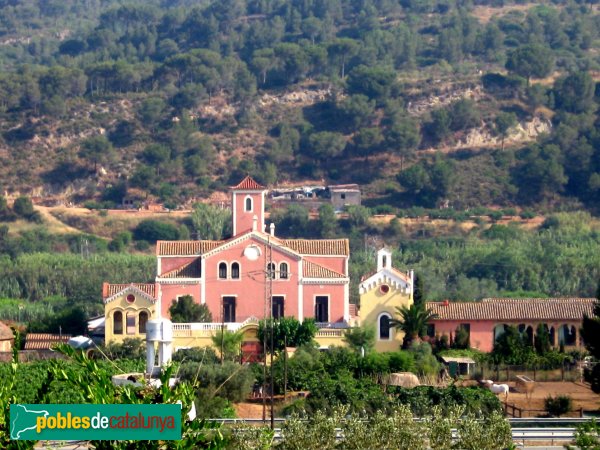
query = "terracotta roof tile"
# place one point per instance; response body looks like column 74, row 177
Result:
column 147, row 288
column 185, row 248
column 248, row 184
column 188, row 270
column 314, row 270
column 44, row 341
column 318, row 246
column 353, row 312
column 508, row 309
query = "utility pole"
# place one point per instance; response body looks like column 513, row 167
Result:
column 271, row 276
column 285, row 368
column 222, row 328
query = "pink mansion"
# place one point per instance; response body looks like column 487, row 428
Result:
column 307, row 278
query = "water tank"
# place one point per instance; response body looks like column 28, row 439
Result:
column 159, row 330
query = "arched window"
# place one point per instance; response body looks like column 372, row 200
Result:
column 248, row 204
column 271, row 270
column 222, row 270
column 235, row 271
column 384, row 327
column 283, row 271
column 118, row 322
column 142, row 320
column 130, row 323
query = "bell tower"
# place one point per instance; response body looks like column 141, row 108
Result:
column 248, row 206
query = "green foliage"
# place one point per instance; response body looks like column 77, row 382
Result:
column 72, row 321
column 211, row 222
column 429, row 182
column 559, row 405
column 229, row 344
column 196, row 354
column 412, row 320
column 94, row 385
column 587, row 436
column 216, row 385
column 360, row 339
column 130, row 348
column 287, row 331
column 530, row 61
column 153, row 230
column 185, row 310
column 511, row 347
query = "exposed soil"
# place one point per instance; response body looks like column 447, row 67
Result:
column 580, row 393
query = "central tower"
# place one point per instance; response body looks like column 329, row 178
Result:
column 248, row 206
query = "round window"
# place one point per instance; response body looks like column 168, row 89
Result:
column 384, row 288
column 130, row 298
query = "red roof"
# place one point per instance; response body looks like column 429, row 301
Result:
column 146, row 288
column 499, row 309
column 248, row 184
column 44, row 341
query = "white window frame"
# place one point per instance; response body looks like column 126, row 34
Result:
column 246, row 198
column 379, row 338
column 227, row 271
column 328, row 306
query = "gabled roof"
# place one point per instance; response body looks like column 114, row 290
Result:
column 314, row 270
column 512, row 309
column 248, row 184
column 191, row 269
column 185, row 248
column 393, row 271
column 144, row 289
column 316, row 247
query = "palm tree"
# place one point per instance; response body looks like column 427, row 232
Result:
column 412, row 321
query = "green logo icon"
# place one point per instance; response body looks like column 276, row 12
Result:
column 95, row 422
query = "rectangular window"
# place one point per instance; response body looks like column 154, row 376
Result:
column 431, row 329
column 130, row 323
column 277, row 307
column 228, row 309
column 322, row 309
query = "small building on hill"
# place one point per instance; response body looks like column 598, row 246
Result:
column 381, row 293
column 486, row 320
column 343, row 195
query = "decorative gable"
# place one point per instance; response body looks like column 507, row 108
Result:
column 139, row 290
column 391, row 277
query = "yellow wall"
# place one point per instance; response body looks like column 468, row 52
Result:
column 373, row 303
column 121, row 304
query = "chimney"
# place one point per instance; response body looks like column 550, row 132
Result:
column 254, row 223
column 445, row 303
column 272, row 229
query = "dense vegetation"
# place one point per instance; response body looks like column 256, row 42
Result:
column 169, row 97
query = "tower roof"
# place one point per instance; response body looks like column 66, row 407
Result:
column 248, row 184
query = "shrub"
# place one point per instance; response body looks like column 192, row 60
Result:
column 559, row 405
column 153, row 230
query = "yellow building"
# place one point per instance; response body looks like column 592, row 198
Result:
column 380, row 294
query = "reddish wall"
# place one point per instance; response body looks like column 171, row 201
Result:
column 336, row 300
column 250, row 288
column 171, row 291
column 244, row 219
column 482, row 332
